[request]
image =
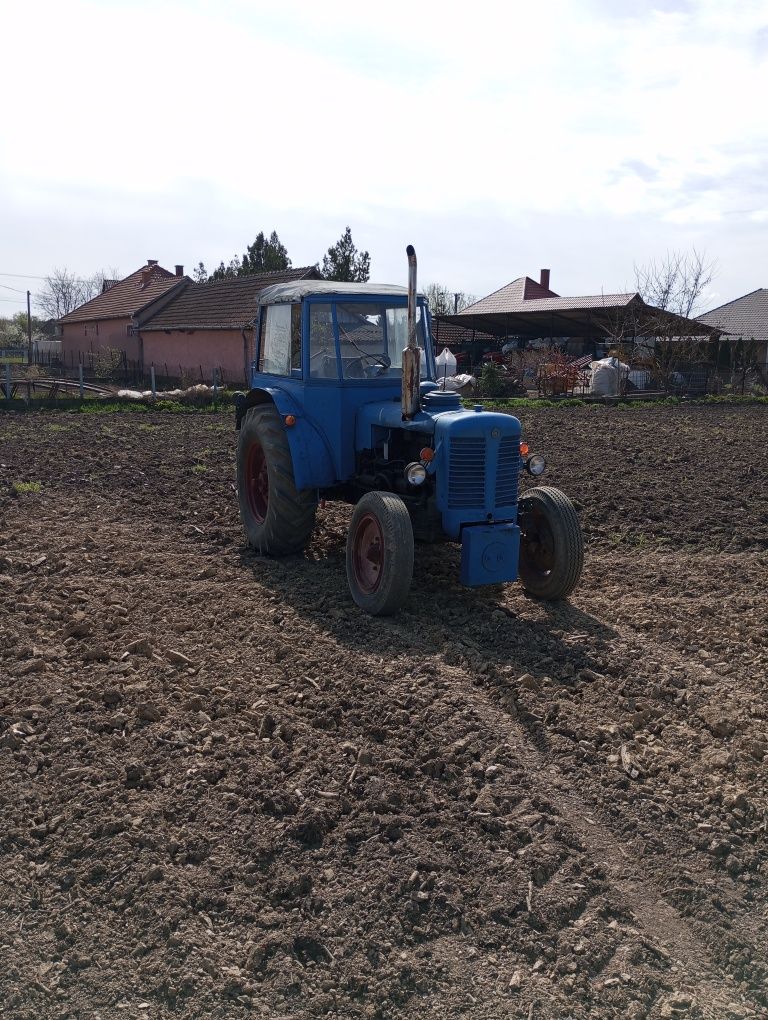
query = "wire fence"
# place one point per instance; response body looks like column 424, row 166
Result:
column 639, row 372
column 551, row 373
column 46, row 377
column 108, row 369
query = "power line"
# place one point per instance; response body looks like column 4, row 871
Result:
column 16, row 289
column 28, row 276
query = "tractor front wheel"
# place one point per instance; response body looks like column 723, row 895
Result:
column 277, row 518
column 380, row 553
column 551, row 544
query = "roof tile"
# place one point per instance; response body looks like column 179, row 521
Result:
column 222, row 304
column 128, row 296
column 523, row 295
column 746, row 316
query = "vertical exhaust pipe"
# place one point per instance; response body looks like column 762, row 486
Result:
column 410, row 396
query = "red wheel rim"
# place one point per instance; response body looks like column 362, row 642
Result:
column 257, row 481
column 368, row 554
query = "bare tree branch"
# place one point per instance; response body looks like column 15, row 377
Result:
column 443, row 301
column 63, row 292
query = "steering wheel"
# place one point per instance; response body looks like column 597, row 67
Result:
column 382, row 360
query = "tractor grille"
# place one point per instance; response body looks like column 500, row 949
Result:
column 466, row 473
column 508, row 471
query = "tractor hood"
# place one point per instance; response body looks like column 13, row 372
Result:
column 441, row 413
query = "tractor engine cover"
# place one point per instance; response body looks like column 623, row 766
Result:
column 489, row 554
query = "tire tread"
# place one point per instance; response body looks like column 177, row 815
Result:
column 290, row 517
column 564, row 521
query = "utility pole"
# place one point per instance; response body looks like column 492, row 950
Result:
column 29, row 332
column 456, row 303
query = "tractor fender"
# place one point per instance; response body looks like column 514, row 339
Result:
column 312, row 461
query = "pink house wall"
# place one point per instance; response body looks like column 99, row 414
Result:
column 201, row 348
column 81, row 338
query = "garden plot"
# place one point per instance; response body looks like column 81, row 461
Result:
column 226, row 792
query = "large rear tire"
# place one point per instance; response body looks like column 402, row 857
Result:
column 278, row 519
column 380, row 553
column 551, row 544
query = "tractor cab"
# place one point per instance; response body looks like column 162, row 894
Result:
column 324, row 333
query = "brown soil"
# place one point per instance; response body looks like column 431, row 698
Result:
column 225, row 792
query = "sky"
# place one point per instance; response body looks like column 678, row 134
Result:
column 497, row 138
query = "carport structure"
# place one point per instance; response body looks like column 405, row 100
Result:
column 530, row 310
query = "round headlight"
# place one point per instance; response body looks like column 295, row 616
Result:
column 536, row 464
column 415, row 473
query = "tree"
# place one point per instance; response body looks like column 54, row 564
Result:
column 658, row 333
column 265, row 255
column 13, row 331
column 344, row 263
column 63, row 292
column 230, row 272
column 675, row 283
column 443, row 301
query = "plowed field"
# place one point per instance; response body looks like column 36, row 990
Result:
column 225, row 792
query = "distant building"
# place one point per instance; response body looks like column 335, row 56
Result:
column 209, row 326
column 113, row 318
column 745, row 318
column 185, row 329
column 529, row 313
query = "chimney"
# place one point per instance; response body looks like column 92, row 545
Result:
column 179, row 270
column 146, row 275
column 544, row 278
column 151, row 262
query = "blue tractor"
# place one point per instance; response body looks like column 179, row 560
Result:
column 345, row 405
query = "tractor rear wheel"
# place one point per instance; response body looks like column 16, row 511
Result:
column 277, row 518
column 551, row 544
column 380, row 553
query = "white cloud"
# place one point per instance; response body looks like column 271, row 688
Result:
column 140, row 126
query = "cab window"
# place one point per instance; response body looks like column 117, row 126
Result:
column 275, row 340
column 322, row 344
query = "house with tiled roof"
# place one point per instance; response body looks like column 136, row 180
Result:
column 745, row 318
column 210, row 326
column 112, row 319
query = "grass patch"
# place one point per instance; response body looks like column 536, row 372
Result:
column 199, row 469
column 139, row 407
column 27, row 487
column 534, row 403
column 519, row 403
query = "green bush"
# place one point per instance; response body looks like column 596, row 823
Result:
column 491, row 380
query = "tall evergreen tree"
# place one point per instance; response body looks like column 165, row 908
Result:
column 264, row 256
column 227, row 272
column 345, row 263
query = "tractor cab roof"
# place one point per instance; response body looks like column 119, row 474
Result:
column 281, row 293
